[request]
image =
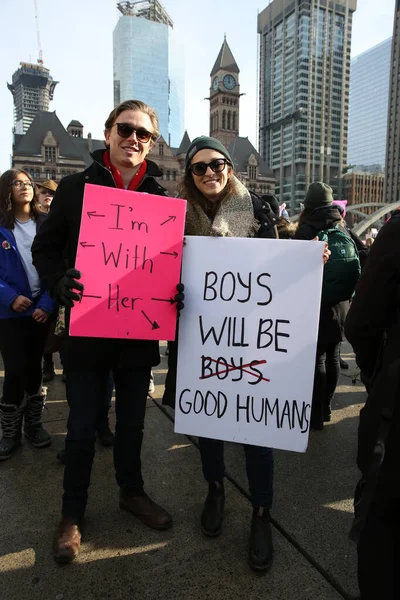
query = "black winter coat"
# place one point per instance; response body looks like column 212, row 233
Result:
column 56, row 244
column 374, row 314
column 331, row 318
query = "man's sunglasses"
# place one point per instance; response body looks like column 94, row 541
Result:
column 125, row 130
column 217, row 165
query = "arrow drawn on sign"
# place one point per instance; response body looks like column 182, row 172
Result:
column 154, row 324
column 171, row 218
column 170, row 300
column 174, row 254
column 86, row 245
column 94, row 214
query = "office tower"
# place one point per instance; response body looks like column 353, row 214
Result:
column 392, row 187
column 32, row 88
column 304, row 93
column 148, row 64
column 369, row 93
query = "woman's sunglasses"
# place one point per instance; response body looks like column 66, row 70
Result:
column 125, row 130
column 217, row 165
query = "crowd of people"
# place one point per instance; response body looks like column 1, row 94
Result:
column 39, row 230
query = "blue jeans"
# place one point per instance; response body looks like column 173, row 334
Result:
column 259, row 468
column 86, row 391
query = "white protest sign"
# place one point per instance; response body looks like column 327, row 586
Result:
column 247, row 340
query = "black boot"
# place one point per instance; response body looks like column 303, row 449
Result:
column 11, row 423
column 33, row 428
column 260, row 545
column 213, row 511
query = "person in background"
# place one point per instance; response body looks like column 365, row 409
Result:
column 24, row 312
column 46, row 191
column 321, row 215
column 130, row 132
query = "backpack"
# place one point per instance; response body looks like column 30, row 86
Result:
column 342, row 270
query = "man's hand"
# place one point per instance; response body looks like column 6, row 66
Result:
column 66, row 285
column 40, row 315
column 21, row 304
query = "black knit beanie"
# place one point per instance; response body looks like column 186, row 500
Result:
column 202, row 142
column 318, row 194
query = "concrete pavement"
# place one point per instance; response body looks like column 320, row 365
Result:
column 122, row 559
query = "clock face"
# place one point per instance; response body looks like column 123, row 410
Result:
column 215, row 84
column 229, row 82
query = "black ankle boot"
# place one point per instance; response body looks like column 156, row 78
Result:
column 260, row 544
column 213, row 511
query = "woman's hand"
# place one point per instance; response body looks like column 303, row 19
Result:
column 21, row 304
column 40, row 315
column 326, row 254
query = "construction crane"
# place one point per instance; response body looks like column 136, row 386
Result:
column 40, row 59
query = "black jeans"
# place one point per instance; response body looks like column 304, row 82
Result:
column 86, row 389
column 326, row 377
column 259, row 468
column 379, row 553
column 21, row 346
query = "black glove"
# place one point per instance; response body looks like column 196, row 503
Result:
column 179, row 298
column 66, row 285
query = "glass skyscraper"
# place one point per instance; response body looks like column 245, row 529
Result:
column 304, row 92
column 368, row 106
column 148, row 64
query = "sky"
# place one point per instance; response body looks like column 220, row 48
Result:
column 76, row 41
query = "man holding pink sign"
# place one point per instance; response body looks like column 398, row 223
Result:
column 122, row 300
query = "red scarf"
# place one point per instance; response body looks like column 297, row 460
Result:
column 136, row 179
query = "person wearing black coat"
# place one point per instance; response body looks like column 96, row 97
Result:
column 130, row 132
column 373, row 328
column 320, row 214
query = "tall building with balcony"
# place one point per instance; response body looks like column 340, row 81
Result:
column 304, row 93
column 148, row 64
column 392, row 181
column 369, row 94
column 32, row 88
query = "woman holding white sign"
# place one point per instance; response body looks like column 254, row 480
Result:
column 218, row 204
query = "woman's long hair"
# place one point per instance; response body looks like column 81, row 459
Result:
column 7, row 218
column 188, row 190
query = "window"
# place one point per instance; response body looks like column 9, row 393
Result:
column 37, row 174
column 173, row 175
column 234, row 121
column 53, row 175
column 252, row 172
column 224, row 119
column 161, row 150
column 47, row 174
column 50, row 153
column 229, row 120
column 168, row 175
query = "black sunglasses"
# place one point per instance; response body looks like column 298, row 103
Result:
column 125, row 130
column 217, row 165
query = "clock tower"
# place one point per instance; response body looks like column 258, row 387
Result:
column 224, row 97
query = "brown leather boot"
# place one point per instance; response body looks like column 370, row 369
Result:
column 150, row 513
column 67, row 540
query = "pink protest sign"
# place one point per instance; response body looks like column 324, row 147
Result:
column 129, row 254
